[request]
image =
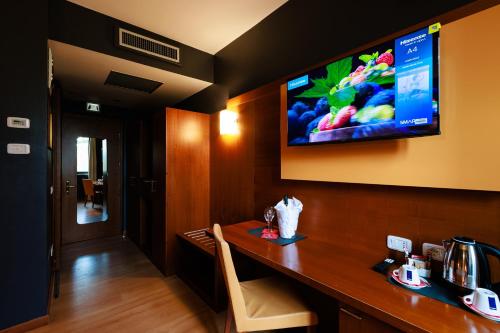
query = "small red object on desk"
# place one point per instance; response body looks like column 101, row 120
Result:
column 269, row 233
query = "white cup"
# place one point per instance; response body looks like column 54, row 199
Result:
column 409, row 274
column 485, row 301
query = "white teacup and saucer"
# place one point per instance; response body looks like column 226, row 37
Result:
column 407, row 276
column 483, row 302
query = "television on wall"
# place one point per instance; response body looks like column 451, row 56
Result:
column 390, row 90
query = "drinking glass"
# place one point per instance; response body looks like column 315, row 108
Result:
column 269, row 213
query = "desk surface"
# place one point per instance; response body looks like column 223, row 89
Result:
column 334, row 271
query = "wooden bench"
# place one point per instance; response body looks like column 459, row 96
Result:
column 198, row 267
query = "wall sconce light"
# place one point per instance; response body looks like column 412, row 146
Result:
column 229, row 122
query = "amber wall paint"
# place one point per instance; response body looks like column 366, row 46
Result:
column 464, row 156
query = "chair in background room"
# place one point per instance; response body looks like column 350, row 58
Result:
column 88, row 189
column 262, row 304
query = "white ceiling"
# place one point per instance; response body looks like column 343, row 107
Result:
column 208, row 25
column 82, row 74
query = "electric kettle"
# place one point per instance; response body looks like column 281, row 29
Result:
column 465, row 263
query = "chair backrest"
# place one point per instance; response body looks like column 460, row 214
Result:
column 88, row 186
column 232, row 283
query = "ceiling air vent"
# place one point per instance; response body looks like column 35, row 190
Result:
column 123, row 80
column 134, row 41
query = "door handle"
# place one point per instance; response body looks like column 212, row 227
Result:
column 152, row 185
column 69, row 186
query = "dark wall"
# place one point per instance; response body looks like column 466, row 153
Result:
column 210, row 100
column 302, row 33
column 82, row 27
column 23, row 178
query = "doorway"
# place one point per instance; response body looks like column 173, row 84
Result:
column 91, row 177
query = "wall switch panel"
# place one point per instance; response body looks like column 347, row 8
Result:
column 18, row 149
column 398, row 243
column 16, row 122
column 437, row 251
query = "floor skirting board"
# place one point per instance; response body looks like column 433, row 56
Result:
column 27, row 325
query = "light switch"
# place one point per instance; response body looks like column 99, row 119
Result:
column 16, row 122
column 18, row 148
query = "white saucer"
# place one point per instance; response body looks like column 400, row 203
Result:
column 423, row 282
column 479, row 312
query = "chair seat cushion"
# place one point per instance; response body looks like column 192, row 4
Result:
column 276, row 300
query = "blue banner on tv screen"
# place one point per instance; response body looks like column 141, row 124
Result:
column 414, row 61
column 298, row 82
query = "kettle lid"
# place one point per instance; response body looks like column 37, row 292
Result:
column 464, row 240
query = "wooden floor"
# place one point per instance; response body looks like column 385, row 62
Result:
column 87, row 214
column 110, row 286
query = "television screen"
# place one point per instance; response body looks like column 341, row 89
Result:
column 387, row 91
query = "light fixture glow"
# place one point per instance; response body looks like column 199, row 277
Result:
column 229, row 123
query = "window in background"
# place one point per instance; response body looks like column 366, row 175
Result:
column 82, row 154
column 104, row 157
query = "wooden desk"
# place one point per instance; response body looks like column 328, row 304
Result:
column 337, row 273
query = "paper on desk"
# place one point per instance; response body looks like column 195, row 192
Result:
column 288, row 217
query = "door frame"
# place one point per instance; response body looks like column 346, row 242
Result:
column 54, row 133
column 94, row 126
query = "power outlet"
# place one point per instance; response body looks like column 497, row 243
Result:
column 398, row 243
column 437, row 251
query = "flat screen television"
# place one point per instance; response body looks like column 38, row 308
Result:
column 390, row 90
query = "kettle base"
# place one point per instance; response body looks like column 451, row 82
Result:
column 457, row 290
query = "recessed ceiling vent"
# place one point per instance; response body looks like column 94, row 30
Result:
column 139, row 43
column 132, row 82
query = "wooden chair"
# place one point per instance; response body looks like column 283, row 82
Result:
column 263, row 304
column 88, row 188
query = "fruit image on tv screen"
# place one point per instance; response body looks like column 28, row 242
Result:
column 387, row 91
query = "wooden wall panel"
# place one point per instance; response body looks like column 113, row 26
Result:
column 232, row 168
column 188, row 175
column 356, row 215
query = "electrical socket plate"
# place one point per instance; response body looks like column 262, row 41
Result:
column 18, row 148
column 398, row 243
column 437, row 251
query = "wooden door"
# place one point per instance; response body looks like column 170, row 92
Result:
column 157, row 192
column 142, row 186
column 133, row 180
column 107, row 190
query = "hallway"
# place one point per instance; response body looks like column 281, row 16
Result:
column 108, row 285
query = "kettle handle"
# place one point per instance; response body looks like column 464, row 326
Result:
column 486, row 249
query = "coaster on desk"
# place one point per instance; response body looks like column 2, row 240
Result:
column 269, row 234
column 436, row 290
column 280, row 241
